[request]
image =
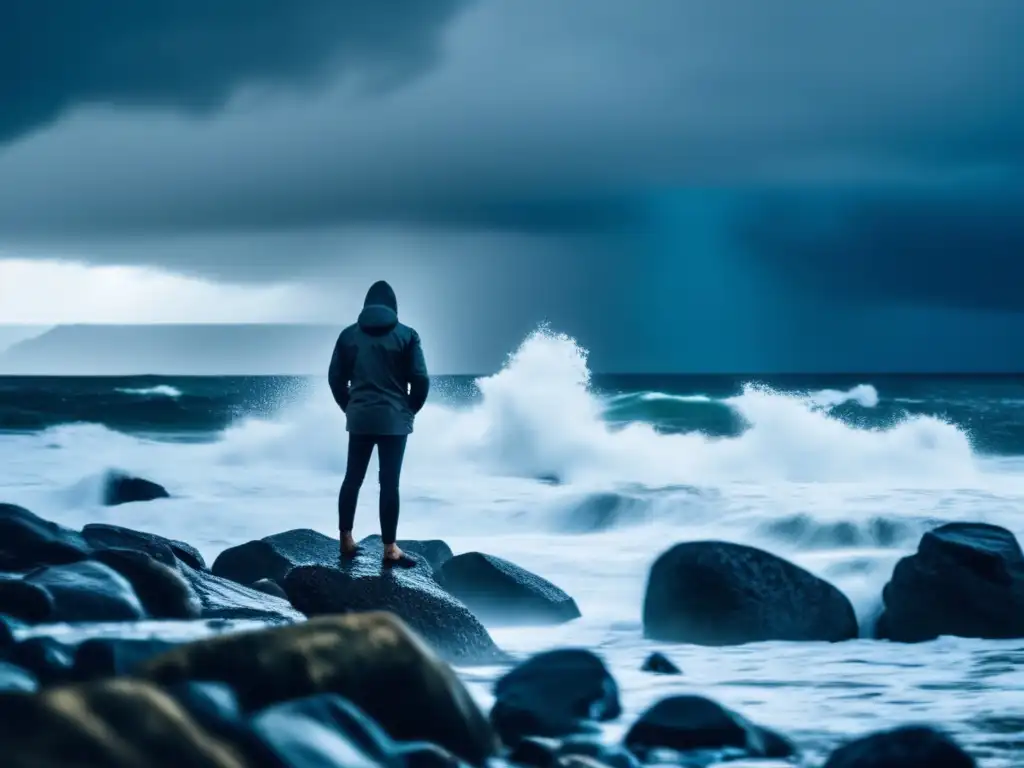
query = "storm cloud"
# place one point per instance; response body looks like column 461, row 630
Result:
column 957, row 250
column 536, row 117
column 192, row 55
column 624, row 170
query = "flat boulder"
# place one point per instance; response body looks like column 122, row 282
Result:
column 372, row 659
column 716, row 593
column 365, row 584
column 695, row 724
column 119, row 723
column 501, row 593
column 966, row 579
column 554, row 694
column 221, row 598
column 120, row 488
column 906, row 747
column 434, row 552
column 273, row 557
column 167, row 551
column 27, row 541
column 86, row 591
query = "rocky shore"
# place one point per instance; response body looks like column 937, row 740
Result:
column 298, row 660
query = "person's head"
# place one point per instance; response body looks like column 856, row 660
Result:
column 381, row 295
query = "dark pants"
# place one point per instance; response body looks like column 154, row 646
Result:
column 390, row 452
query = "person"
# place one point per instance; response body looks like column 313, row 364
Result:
column 378, row 377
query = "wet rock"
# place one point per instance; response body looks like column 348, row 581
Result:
column 554, row 694
column 535, row 751
column 589, row 748
column 107, row 657
column 214, row 707
column 15, row 679
column 501, row 593
column 226, row 599
column 432, row 551
column 365, row 584
column 270, row 587
column 324, row 731
column 660, row 664
column 24, row 602
column 274, row 557
column 8, row 626
column 966, row 579
column 907, row 747
column 78, row 592
column 49, row 660
column 167, row 551
column 365, row 658
column 27, row 541
column 717, row 593
column 580, row 761
column 119, row 723
column 163, row 591
column 119, row 488
column 691, row 723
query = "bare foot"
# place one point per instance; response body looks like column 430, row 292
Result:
column 348, row 544
column 393, row 552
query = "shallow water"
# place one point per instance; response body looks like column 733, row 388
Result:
column 841, row 479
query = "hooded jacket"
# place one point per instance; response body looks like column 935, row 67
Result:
column 378, row 374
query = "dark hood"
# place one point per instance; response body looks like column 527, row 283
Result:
column 380, row 309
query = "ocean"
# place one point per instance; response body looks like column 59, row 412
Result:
column 585, row 480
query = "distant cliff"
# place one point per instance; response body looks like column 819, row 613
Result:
column 88, row 350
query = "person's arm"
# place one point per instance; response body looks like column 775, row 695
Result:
column 419, row 379
column 340, row 373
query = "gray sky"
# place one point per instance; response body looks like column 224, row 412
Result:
column 698, row 185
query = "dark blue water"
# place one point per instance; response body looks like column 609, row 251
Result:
column 989, row 408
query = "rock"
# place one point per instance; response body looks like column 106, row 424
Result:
column 611, row 755
column 274, row 556
column 554, row 694
column 501, row 593
column 8, row 626
column 433, row 551
column 50, row 661
column 324, row 731
column 108, row 657
column 14, row 678
column 535, row 751
column 27, row 541
column 907, row 747
column 365, row 658
column 167, row 551
column 966, row 579
column 225, row 599
column 120, row 723
column 269, row 587
column 364, row 584
column 163, row 591
column 689, row 723
column 717, row 593
column 660, row 664
column 25, row 602
column 78, row 592
column 119, row 488
column 214, row 707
